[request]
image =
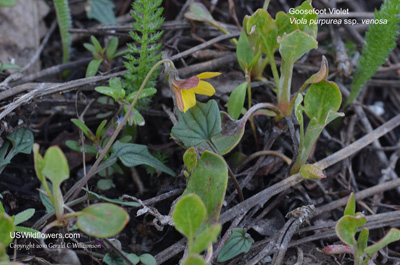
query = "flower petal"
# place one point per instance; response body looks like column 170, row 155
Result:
column 204, row 88
column 206, row 75
column 187, row 83
column 189, row 99
column 178, row 96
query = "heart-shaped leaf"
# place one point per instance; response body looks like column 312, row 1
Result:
column 198, row 125
column 346, row 228
column 102, row 220
column 239, row 242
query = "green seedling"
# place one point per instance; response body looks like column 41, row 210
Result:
column 346, row 229
column 102, row 55
column 144, row 51
column 197, row 212
column 239, row 242
column 380, row 40
column 21, row 141
column 99, row 220
column 189, row 217
column 321, row 103
column 262, row 36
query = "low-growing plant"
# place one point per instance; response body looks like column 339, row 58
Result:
column 21, row 141
column 102, row 55
column 6, row 66
column 100, row 220
column 64, row 21
column 380, row 40
column 346, row 229
column 144, row 52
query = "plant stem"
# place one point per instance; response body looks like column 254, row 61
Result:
column 274, row 69
column 78, row 186
column 283, row 95
column 253, row 126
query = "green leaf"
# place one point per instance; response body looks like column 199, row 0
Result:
column 115, row 201
column 22, row 141
column 362, row 241
column 295, row 44
column 321, row 102
column 115, row 89
column 25, row 229
column 194, row 259
column 93, row 67
column 188, row 215
column 209, row 181
column 75, row 146
column 7, row 3
column 45, row 199
column 306, row 14
column 147, row 259
column 264, row 26
column 392, row 236
column 147, row 92
column 198, row 12
column 63, row 13
column 350, row 206
column 284, row 23
column 104, row 184
column 132, row 155
column 102, row 11
column 102, row 220
column 310, row 171
column 90, row 47
column 56, row 167
column 239, row 242
column 321, row 98
column 190, row 158
column 113, row 259
column 198, row 125
column 112, row 46
column 24, row 216
column 100, row 128
column 236, row 100
column 244, row 52
column 346, row 228
column 133, row 258
column 7, row 227
column 96, row 44
column 82, row 126
column 380, row 41
column 206, row 237
column 3, row 151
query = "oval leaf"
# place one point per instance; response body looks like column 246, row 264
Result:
column 7, row 227
column 24, row 216
column 56, row 167
column 209, row 181
column 93, row 67
column 102, row 220
column 236, row 100
column 188, row 215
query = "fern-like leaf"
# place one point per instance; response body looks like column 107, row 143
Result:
column 64, row 23
column 380, row 41
column 144, row 52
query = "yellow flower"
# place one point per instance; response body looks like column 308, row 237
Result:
column 186, row 89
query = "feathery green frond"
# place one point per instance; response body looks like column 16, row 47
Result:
column 64, row 23
column 144, row 52
column 380, row 41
